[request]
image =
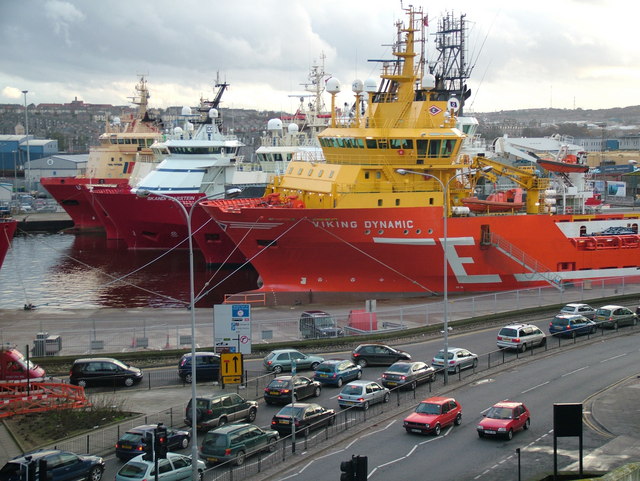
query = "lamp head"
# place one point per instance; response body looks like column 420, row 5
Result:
column 232, row 192
column 143, row 194
column 402, row 171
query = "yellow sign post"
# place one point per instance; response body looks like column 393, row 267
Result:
column 231, row 367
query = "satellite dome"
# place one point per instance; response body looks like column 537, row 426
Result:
column 213, row 113
column 333, row 85
column 274, row 124
column 370, row 85
column 116, row 121
column 177, row 130
column 189, row 126
column 186, row 110
column 429, row 81
column 357, row 86
column 292, row 128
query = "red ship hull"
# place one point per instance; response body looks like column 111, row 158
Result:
column 157, row 223
column 72, row 194
column 375, row 252
column 7, row 229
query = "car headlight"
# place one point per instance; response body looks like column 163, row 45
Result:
column 479, row 427
column 427, row 425
column 502, row 430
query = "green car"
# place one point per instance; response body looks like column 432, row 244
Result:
column 280, row 360
column 236, row 442
column 614, row 316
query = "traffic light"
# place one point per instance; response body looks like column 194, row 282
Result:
column 348, row 470
column 361, row 468
column 161, row 441
column 43, row 473
column 148, row 447
column 29, row 469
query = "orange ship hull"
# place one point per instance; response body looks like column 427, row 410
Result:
column 7, row 229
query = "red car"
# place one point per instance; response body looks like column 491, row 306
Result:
column 433, row 414
column 503, row 419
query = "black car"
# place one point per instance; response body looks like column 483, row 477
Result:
column 408, row 374
column 279, row 389
column 306, row 416
column 207, row 367
column 105, row 371
column 132, row 443
column 377, row 354
column 61, row 466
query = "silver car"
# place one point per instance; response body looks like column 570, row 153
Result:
column 174, row 468
column 582, row 309
column 458, row 359
column 362, row 394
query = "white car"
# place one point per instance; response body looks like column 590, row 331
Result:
column 520, row 337
column 458, row 359
column 582, row 309
column 174, row 468
column 362, row 394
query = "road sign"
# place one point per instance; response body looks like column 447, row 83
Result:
column 231, row 364
column 232, row 379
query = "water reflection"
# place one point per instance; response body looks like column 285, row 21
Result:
column 85, row 271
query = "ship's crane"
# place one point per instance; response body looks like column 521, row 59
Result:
column 525, row 177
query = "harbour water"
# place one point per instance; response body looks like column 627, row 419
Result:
column 86, row 271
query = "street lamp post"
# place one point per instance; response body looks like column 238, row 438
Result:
column 194, row 411
column 26, row 129
column 445, row 287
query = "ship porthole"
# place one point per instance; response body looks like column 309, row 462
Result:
column 367, row 232
column 320, row 279
column 418, row 231
column 405, row 232
column 353, row 279
column 380, row 232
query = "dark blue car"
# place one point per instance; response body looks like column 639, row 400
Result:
column 207, row 367
column 61, row 466
column 571, row 325
column 337, row 372
column 132, row 443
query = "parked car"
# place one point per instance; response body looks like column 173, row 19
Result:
column 434, row 414
column 503, row 419
column 319, row 324
column 408, row 374
column 218, row 409
column 458, row 359
column 280, row 360
column 132, row 442
column 61, row 466
column 571, row 325
column 207, row 367
column 174, row 468
column 378, row 354
column 103, row 370
column 305, row 416
column 615, row 316
column 362, row 394
column 582, row 309
column 236, row 442
column 520, row 337
column 337, row 371
column 279, row 389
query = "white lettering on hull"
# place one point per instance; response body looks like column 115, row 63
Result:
column 457, row 262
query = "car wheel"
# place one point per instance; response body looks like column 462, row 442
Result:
column 187, row 379
column 271, row 445
column 240, row 458
column 295, row 398
column 635, row 321
column 457, row 369
column 128, row 381
column 359, row 375
column 436, row 430
column 527, row 424
column 277, row 369
column 458, row 420
column 314, row 365
column 362, row 362
column 413, row 385
column 317, row 391
column 252, row 414
column 82, row 383
column 339, row 382
column 95, row 474
column 475, row 363
column 544, row 341
column 386, row 398
column 222, row 421
column 365, row 406
column 523, row 348
column 184, row 442
column 510, row 434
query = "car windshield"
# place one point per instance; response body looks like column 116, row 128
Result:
column 500, row 413
column 279, row 383
column 133, row 470
column 351, row 390
column 213, row 440
column 290, row 411
column 603, row 312
column 402, row 368
column 428, row 408
column 131, row 437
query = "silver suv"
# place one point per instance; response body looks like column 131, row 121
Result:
column 520, row 337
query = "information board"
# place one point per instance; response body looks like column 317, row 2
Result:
column 232, row 328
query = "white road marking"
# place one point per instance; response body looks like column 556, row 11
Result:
column 534, row 387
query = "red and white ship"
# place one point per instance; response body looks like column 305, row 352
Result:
column 122, row 145
column 7, row 229
column 376, row 218
column 197, row 162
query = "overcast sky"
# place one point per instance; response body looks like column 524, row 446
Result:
column 534, row 54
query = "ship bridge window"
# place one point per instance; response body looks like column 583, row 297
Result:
column 401, row 143
column 230, row 150
column 277, row 157
column 366, row 175
column 583, row 230
column 372, row 144
column 310, row 172
column 379, row 202
column 359, row 143
column 331, row 174
column 382, row 144
column 289, row 156
column 320, row 172
column 340, row 142
column 299, row 171
column 290, row 170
